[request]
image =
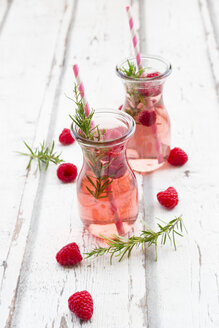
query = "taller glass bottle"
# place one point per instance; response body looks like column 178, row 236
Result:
column 106, row 186
column 149, row 148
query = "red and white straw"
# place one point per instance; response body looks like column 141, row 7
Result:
column 81, row 88
column 118, row 223
column 158, row 144
column 134, row 37
column 139, row 64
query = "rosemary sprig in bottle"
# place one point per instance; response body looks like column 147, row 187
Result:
column 99, row 182
column 43, row 154
column 132, row 70
column 120, row 246
column 83, row 121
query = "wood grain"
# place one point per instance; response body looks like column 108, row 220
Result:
column 5, row 6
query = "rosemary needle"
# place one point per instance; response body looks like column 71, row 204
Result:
column 43, row 154
column 132, row 70
column 98, row 182
column 120, row 246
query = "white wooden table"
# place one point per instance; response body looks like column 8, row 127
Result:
column 40, row 40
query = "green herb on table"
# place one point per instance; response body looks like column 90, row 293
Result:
column 43, row 154
column 120, row 246
column 132, row 70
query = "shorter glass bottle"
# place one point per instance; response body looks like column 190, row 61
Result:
column 148, row 149
column 106, row 186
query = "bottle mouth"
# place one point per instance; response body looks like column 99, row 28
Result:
column 151, row 63
column 109, row 120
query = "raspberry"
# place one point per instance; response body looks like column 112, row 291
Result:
column 150, row 75
column 67, row 172
column 81, row 303
column 149, row 89
column 120, row 107
column 168, row 198
column 177, row 157
column 66, row 138
column 147, row 118
column 112, row 134
column 69, row 255
column 117, row 168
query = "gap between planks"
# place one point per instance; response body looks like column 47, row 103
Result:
column 5, row 14
column 209, row 27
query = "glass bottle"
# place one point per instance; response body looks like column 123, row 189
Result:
column 149, row 148
column 106, row 186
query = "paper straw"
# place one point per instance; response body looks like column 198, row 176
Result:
column 158, row 144
column 134, row 37
column 119, row 223
column 139, row 64
column 81, row 88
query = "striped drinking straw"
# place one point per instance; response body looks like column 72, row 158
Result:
column 139, row 64
column 134, row 37
column 81, row 88
column 118, row 220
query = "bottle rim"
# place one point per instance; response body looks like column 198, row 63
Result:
column 122, row 116
column 163, row 75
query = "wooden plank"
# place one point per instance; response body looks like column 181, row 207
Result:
column 5, row 6
column 118, row 290
column 213, row 8
column 36, row 74
column 209, row 10
column 183, row 286
column 23, row 89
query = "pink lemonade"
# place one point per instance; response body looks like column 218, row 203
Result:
column 99, row 215
column 149, row 147
column 142, row 149
column 106, row 186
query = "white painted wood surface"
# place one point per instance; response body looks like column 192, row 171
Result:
column 39, row 42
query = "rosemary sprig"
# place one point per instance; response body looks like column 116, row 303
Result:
column 120, row 246
column 132, row 70
column 99, row 181
column 43, row 154
column 83, row 121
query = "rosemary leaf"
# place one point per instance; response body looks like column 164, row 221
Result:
column 132, row 70
column 119, row 246
column 43, row 154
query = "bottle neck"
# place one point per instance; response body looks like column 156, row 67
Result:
column 104, row 153
column 141, row 95
column 105, row 161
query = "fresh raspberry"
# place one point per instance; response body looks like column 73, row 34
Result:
column 149, row 89
column 168, row 198
column 81, row 303
column 177, row 157
column 112, row 134
column 150, row 75
column 69, row 255
column 147, row 118
column 120, row 107
column 66, row 138
column 117, row 167
column 67, row 172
